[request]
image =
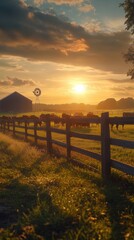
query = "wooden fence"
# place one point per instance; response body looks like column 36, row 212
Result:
column 13, row 124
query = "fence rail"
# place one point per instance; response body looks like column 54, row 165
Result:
column 15, row 124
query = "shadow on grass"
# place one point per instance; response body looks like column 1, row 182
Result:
column 22, row 205
column 119, row 198
column 14, row 199
column 120, row 208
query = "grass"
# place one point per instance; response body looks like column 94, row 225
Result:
column 48, row 198
column 117, row 153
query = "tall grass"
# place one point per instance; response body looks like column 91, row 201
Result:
column 44, row 198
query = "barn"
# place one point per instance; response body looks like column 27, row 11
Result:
column 15, row 103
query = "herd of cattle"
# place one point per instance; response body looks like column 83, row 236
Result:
column 75, row 119
column 57, row 120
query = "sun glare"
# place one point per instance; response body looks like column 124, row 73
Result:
column 79, row 89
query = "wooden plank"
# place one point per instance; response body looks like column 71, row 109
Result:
column 17, row 126
column 41, row 138
column 18, row 132
column 122, row 167
column 86, row 152
column 84, row 120
column 61, row 131
column 122, row 143
column 121, row 120
column 61, row 144
column 30, row 135
column 30, row 128
column 85, row 136
column 41, row 128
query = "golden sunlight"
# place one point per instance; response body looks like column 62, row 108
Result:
column 79, row 89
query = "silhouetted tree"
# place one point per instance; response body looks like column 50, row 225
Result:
column 128, row 6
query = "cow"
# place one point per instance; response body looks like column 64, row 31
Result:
column 116, row 125
column 36, row 120
column 128, row 114
column 53, row 118
column 91, row 115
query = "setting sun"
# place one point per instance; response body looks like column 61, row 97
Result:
column 79, row 89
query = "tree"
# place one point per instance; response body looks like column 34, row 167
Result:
column 128, row 6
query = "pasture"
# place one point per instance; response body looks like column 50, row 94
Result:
column 48, row 198
column 80, row 137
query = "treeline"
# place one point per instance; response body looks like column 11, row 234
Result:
column 68, row 108
column 111, row 103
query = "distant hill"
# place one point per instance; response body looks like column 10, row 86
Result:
column 111, row 103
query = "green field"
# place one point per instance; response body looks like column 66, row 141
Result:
column 43, row 197
column 117, row 153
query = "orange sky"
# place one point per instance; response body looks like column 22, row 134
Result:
column 58, row 45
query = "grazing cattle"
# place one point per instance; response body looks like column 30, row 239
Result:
column 43, row 117
column 64, row 118
column 56, row 119
column 116, row 125
column 125, row 114
column 24, row 118
column 5, row 120
column 91, row 115
column 36, row 120
column 128, row 114
column 77, row 120
column 53, row 118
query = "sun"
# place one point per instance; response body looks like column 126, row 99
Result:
column 79, row 89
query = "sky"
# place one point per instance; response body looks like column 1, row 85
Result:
column 72, row 50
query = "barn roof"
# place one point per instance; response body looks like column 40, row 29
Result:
column 15, row 94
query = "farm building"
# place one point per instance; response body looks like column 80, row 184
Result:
column 15, row 103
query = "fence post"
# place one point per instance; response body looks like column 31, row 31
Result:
column 8, row 125
column 48, row 134
column 68, row 142
column 35, row 132
column 25, row 130
column 105, row 145
column 13, row 126
column 4, row 125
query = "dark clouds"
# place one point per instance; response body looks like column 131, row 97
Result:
column 29, row 33
column 10, row 81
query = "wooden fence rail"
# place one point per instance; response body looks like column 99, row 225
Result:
column 13, row 124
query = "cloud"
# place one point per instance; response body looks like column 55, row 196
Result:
column 38, row 2
column 115, row 24
column 16, row 82
column 86, row 8
column 92, row 26
column 23, row 27
column 128, row 91
column 59, row 2
column 32, row 34
column 11, row 66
